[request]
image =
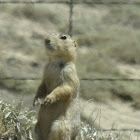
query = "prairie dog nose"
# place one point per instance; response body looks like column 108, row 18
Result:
column 47, row 41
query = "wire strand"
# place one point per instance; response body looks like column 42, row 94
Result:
column 82, row 79
column 68, row 2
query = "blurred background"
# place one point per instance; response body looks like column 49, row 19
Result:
column 108, row 35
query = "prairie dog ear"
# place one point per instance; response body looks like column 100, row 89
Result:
column 75, row 44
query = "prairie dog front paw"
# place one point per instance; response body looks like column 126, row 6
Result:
column 50, row 99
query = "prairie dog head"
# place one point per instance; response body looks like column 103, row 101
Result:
column 60, row 46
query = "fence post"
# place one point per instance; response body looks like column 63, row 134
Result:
column 70, row 18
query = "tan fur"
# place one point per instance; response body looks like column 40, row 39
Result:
column 59, row 115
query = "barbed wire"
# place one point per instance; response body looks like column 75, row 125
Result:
column 82, row 79
column 34, row 2
column 69, row 2
column 133, row 130
column 109, row 79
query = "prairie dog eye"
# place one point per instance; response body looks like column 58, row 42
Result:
column 63, row 37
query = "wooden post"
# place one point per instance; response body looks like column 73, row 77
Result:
column 70, row 18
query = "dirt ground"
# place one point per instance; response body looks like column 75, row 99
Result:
column 114, row 114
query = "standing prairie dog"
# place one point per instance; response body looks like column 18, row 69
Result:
column 59, row 115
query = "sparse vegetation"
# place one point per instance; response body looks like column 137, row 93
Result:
column 90, row 133
column 15, row 122
column 18, row 123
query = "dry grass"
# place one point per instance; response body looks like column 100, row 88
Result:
column 107, row 35
column 108, row 38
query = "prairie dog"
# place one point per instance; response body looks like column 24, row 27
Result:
column 59, row 115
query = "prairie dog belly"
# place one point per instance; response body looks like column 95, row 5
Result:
column 51, row 111
column 47, row 115
column 52, row 75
